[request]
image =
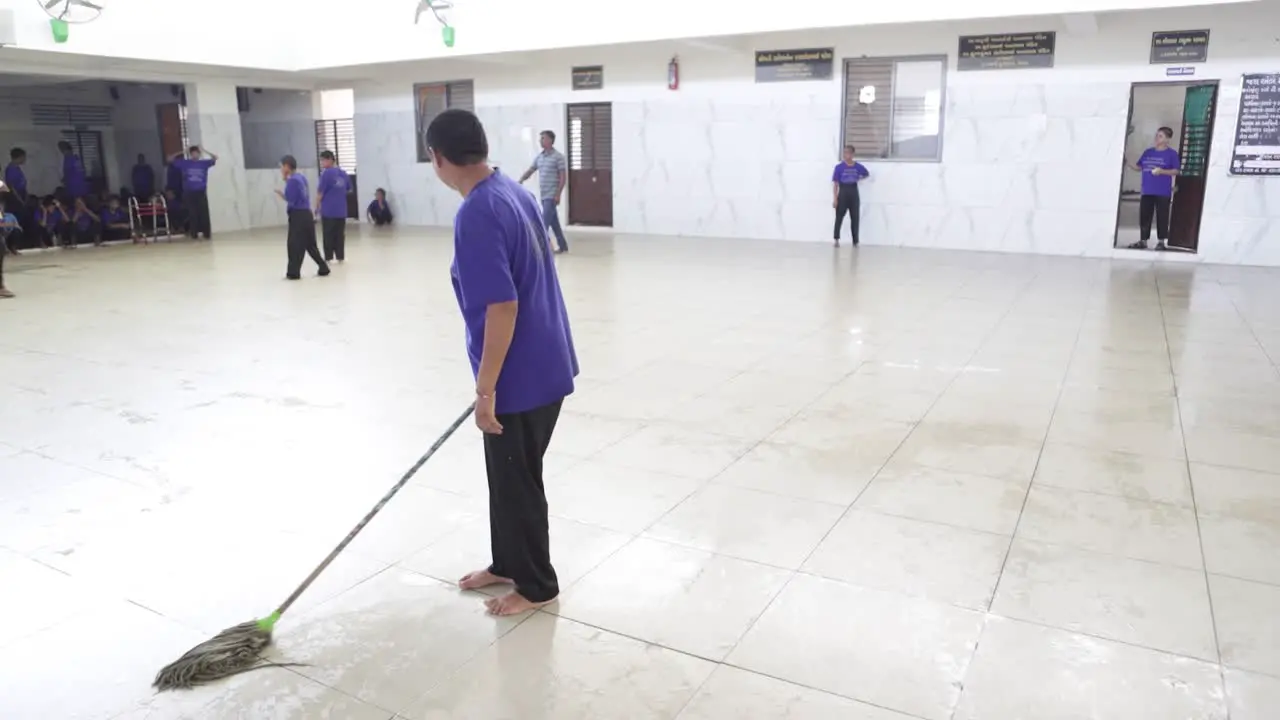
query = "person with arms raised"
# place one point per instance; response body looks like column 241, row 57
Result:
column 195, row 185
column 521, row 352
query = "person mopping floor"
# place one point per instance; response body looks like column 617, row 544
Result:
column 521, row 353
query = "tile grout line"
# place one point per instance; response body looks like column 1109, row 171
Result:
column 1195, row 509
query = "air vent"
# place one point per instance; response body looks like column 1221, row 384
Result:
column 73, row 115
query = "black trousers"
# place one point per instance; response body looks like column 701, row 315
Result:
column 1157, row 205
column 302, row 242
column 196, row 203
column 518, row 536
column 335, row 238
column 848, row 201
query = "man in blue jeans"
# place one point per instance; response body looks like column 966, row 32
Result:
column 552, row 172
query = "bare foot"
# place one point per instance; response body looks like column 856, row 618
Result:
column 480, row 579
column 513, row 603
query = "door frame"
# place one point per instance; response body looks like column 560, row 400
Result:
column 568, row 140
column 1213, row 121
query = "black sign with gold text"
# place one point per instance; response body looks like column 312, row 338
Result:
column 789, row 65
column 1179, row 47
column 1007, row 51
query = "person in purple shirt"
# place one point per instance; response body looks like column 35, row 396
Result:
column 15, row 197
column 521, row 352
column 331, row 206
column 195, row 185
column 144, row 179
column 51, row 222
column 379, row 212
column 844, row 192
column 302, row 224
column 74, row 178
column 1159, row 165
column 84, row 225
column 115, row 221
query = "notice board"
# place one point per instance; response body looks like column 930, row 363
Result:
column 1256, row 150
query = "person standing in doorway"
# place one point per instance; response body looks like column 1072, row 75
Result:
column 302, row 224
column 144, row 180
column 844, row 192
column 553, row 172
column 195, row 185
column 521, row 353
column 331, row 206
column 74, row 178
column 1159, row 165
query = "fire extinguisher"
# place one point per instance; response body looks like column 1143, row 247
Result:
column 673, row 74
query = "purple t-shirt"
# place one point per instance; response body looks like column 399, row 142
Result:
column 1166, row 159
column 333, row 193
column 295, row 192
column 501, row 253
column 16, row 179
column 849, row 174
column 73, row 176
column 195, row 173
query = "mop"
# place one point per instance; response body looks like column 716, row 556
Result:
column 239, row 649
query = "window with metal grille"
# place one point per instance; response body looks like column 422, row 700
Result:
column 591, row 137
column 431, row 99
column 74, row 115
column 88, row 145
column 339, row 138
column 893, row 107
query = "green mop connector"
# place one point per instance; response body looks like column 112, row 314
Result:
column 61, row 30
column 446, row 33
column 268, row 623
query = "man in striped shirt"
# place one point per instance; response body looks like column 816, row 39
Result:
column 552, row 172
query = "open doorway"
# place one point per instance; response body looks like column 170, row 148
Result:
column 1164, row 207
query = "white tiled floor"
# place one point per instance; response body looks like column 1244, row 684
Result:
column 879, row 484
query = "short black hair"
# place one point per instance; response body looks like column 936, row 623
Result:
column 379, row 190
column 16, row 153
column 850, row 148
column 193, row 148
column 64, row 146
column 550, row 134
column 1168, row 132
column 459, row 137
column 290, row 162
column 326, row 155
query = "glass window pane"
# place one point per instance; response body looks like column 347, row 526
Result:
column 917, row 109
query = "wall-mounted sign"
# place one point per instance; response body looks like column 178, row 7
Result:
column 589, row 77
column 1186, row 71
column 1010, row 51
column 1179, row 46
column 1256, row 150
column 788, row 65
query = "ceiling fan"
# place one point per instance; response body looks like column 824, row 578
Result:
column 71, row 11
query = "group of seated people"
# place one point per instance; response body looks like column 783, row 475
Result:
column 61, row 220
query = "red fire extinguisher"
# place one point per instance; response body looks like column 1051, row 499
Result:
column 673, row 74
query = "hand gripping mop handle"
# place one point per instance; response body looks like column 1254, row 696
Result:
column 268, row 622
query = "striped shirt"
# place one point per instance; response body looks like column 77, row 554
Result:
column 549, row 165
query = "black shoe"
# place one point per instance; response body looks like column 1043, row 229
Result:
column 323, row 271
column 855, row 242
column 292, row 277
column 1140, row 245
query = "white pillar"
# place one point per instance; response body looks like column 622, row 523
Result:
column 213, row 123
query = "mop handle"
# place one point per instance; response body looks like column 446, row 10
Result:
column 376, row 509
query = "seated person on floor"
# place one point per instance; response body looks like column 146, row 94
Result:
column 86, row 225
column 51, row 222
column 379, row 212
column 115, row 221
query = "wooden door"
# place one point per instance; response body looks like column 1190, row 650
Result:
column 173, row 136
column 590, row 160
column 1197, row 134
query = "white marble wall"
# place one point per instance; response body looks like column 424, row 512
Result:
column 1031, row 162
column 266, row 209
column 278, row 122
column 213, row 122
